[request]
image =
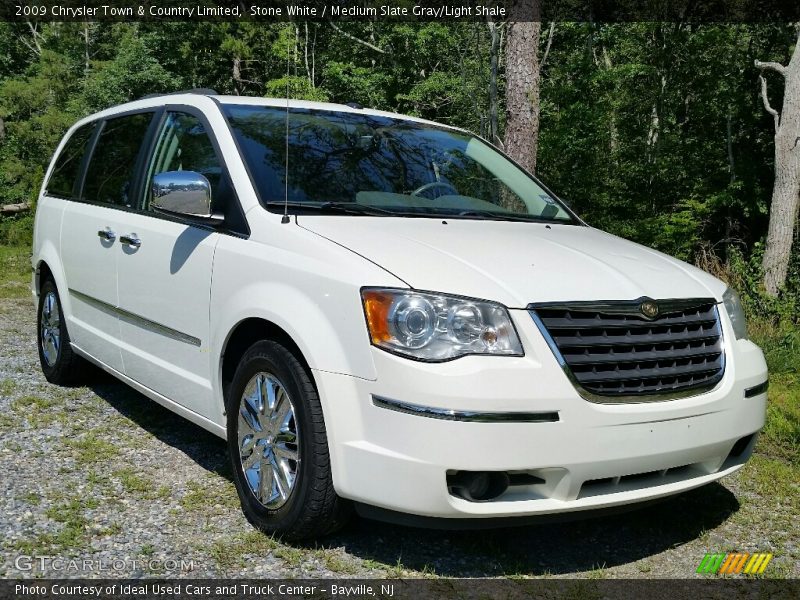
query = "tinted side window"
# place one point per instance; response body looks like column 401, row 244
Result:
column 109, row 178
column 63, row 181
column 184, row 145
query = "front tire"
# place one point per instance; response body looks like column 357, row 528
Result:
column 60, row 364
column 278, row 446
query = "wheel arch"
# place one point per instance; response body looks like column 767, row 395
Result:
column 246, row 333
column 48, row 266
column 43, row 273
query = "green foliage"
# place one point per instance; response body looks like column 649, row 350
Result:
column 653, row 131
column 773, row 323
column 782, row 430
column 353, row 83
column 299, row 88
column 15, row 269
column 36, row 109
column 17, row 230
column 746, row 275
column 133, row 72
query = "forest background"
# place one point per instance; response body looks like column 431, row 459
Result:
column 657, row 132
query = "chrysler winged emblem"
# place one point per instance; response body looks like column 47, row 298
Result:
column 649, row 309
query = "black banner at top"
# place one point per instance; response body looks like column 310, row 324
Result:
column 698, row 11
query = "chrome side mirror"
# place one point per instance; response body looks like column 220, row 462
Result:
column 183, row 193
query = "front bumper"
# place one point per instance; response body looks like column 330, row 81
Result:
column 586, row 459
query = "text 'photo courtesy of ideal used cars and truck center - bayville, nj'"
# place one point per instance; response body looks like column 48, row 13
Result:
column 336, row 293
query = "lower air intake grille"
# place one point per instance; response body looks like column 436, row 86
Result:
column 636, row 350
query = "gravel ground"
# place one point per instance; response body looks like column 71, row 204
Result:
column 103, row 475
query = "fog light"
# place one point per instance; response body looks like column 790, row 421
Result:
column 477, row 486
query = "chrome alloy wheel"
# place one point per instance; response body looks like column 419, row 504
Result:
column 50, row 335
column 268, row 440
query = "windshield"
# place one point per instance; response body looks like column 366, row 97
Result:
column 366, row 164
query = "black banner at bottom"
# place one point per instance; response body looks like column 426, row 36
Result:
column 396, row 589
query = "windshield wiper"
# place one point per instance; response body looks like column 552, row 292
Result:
column 355, row 208
column 497, row 216
column 348, row 208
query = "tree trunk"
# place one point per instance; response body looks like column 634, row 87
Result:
column 522, row 83
column 494, row 52
column 784, row 205
column 613, row 131
column 732, row 171
column 237, row 76
column 86, row 53
column 305, row 54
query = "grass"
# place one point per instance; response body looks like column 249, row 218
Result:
column 96, row 480
column 598, row 572
column 196, row 496
column 7, row 387
column 780, row 343
column 136, row 484
column 73, row 534
column 782, row 429
column 229, row 553
column 91, row 449
column 773, row 472
column 35, row 403
column 37, row 410
column 15, row 269
column 337, row 563
column 293, row 557
column 774, row 469
column 31, row 498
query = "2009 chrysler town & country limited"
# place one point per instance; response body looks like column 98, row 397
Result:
column 407, row 322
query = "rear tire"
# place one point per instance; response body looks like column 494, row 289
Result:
column 60, row 364
column 278, row 447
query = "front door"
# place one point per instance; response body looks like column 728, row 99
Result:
column 164, row 275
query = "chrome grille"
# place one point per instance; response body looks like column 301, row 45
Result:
column 614, row 353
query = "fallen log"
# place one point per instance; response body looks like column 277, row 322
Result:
column 14, row 208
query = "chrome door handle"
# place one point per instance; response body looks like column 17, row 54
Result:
column 131, row 241
column 107, row 235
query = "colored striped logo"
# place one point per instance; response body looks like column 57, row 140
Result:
column 732, row 564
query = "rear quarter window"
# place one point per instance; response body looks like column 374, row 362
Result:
column 64, row 179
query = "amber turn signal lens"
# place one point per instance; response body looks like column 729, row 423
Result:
column 376, row 307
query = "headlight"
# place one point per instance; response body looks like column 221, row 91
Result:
column 435, row 327
column 736, row 313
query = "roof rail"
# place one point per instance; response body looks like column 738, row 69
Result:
column 199, row 91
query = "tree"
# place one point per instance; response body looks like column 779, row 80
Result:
column 522, row 83
column 132, row 73
column 784, row 206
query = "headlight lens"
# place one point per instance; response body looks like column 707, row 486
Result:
column 736, row 313
column 435, row 327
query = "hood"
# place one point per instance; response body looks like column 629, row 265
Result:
column 514, row 263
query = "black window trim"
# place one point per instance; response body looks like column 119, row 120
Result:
column 250, row 178
column 209, row 130
column 101, row 123
column 143, row 160
column 78, row 181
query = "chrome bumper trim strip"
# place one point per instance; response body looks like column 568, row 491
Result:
column 468, row 416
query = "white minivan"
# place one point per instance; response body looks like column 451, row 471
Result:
column 385, row 313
